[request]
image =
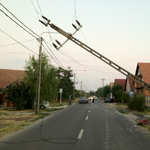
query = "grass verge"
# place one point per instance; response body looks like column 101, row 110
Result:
column 12, row 120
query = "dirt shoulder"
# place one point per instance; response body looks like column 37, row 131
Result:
column 136, row 115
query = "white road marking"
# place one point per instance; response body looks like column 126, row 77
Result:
column 86, row 117
column 80, row 134
column 89, row 110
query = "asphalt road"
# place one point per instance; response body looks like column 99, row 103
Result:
column 93, row 126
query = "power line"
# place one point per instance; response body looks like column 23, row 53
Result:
column 16, row 43
column 19, row 42
column 40, row 15
column 36, row 10
column 54, row 56
column 39, row 6
column 19, row 21
column 18, row 24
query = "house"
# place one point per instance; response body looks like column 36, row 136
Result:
column 142, row 72
column 120, row 82
column 7, row 77
column 129, row 87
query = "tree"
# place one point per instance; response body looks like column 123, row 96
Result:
column 100, row 92
column 49, row 82
column 106, row 90
column 65, row 81
column 117, row 91
column 17, row 92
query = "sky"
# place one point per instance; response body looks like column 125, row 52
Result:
column 117, row 29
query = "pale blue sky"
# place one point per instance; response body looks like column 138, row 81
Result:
column 118, row 29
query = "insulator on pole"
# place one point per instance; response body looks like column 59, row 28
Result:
column 42, row 22
column 45, row 18
column 74, row 26
column 54, row 45
column 78, row 22
column 58, row 42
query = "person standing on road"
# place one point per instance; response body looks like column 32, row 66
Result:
column 93, row 98
column 70, row 99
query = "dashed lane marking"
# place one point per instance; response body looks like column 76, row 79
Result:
column 80, row 134
column 86, row 117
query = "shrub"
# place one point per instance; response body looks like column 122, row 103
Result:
column 125, row 97
column 137, row 102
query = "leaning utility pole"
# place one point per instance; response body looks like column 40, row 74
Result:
column 98, row 55
column 38, row 79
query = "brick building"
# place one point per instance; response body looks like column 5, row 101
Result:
column 7, row 77
column 142, row 72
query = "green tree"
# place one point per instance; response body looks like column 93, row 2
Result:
column 49, row 82
column 106, row 90
column 100, row 92
column 17, row 92
column 65, row 83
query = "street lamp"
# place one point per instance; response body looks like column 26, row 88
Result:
column 103, row 86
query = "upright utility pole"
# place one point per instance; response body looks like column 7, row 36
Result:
column 38, row 79
column 103, row 82
column 74, row 88
column 81, row 88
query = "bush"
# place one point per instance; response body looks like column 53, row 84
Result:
column 137, row 102
column 125, row 97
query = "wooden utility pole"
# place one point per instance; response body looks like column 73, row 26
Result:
column 38, row 79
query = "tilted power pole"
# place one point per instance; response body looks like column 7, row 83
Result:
column 100, row 56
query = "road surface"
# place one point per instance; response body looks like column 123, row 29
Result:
column 93, row 126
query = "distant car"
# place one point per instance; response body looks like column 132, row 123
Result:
column 90, row 97
column 107, row 100
column 43, row 104
column 83, row 100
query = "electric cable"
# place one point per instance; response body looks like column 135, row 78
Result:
column 18, row 24
column 36, row 10
column 41, row 16
column 19, row 21
column 18, row 42
column 54, row 55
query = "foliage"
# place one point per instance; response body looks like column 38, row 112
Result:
column 125, row 97
column 77, row 93
column 137, row 102
column 106, row 90
column 18, row 93
column 92, row 93
column 117, row 92
column 65, row 81
column 100, row 92
column 49, row 82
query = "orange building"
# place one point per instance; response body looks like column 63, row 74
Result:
column 142, row 72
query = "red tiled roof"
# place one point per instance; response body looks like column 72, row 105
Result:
column 121, row 82
column 145, row 71
column 9, row 76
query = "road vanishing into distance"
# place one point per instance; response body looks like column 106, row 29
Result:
column 92, row 126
